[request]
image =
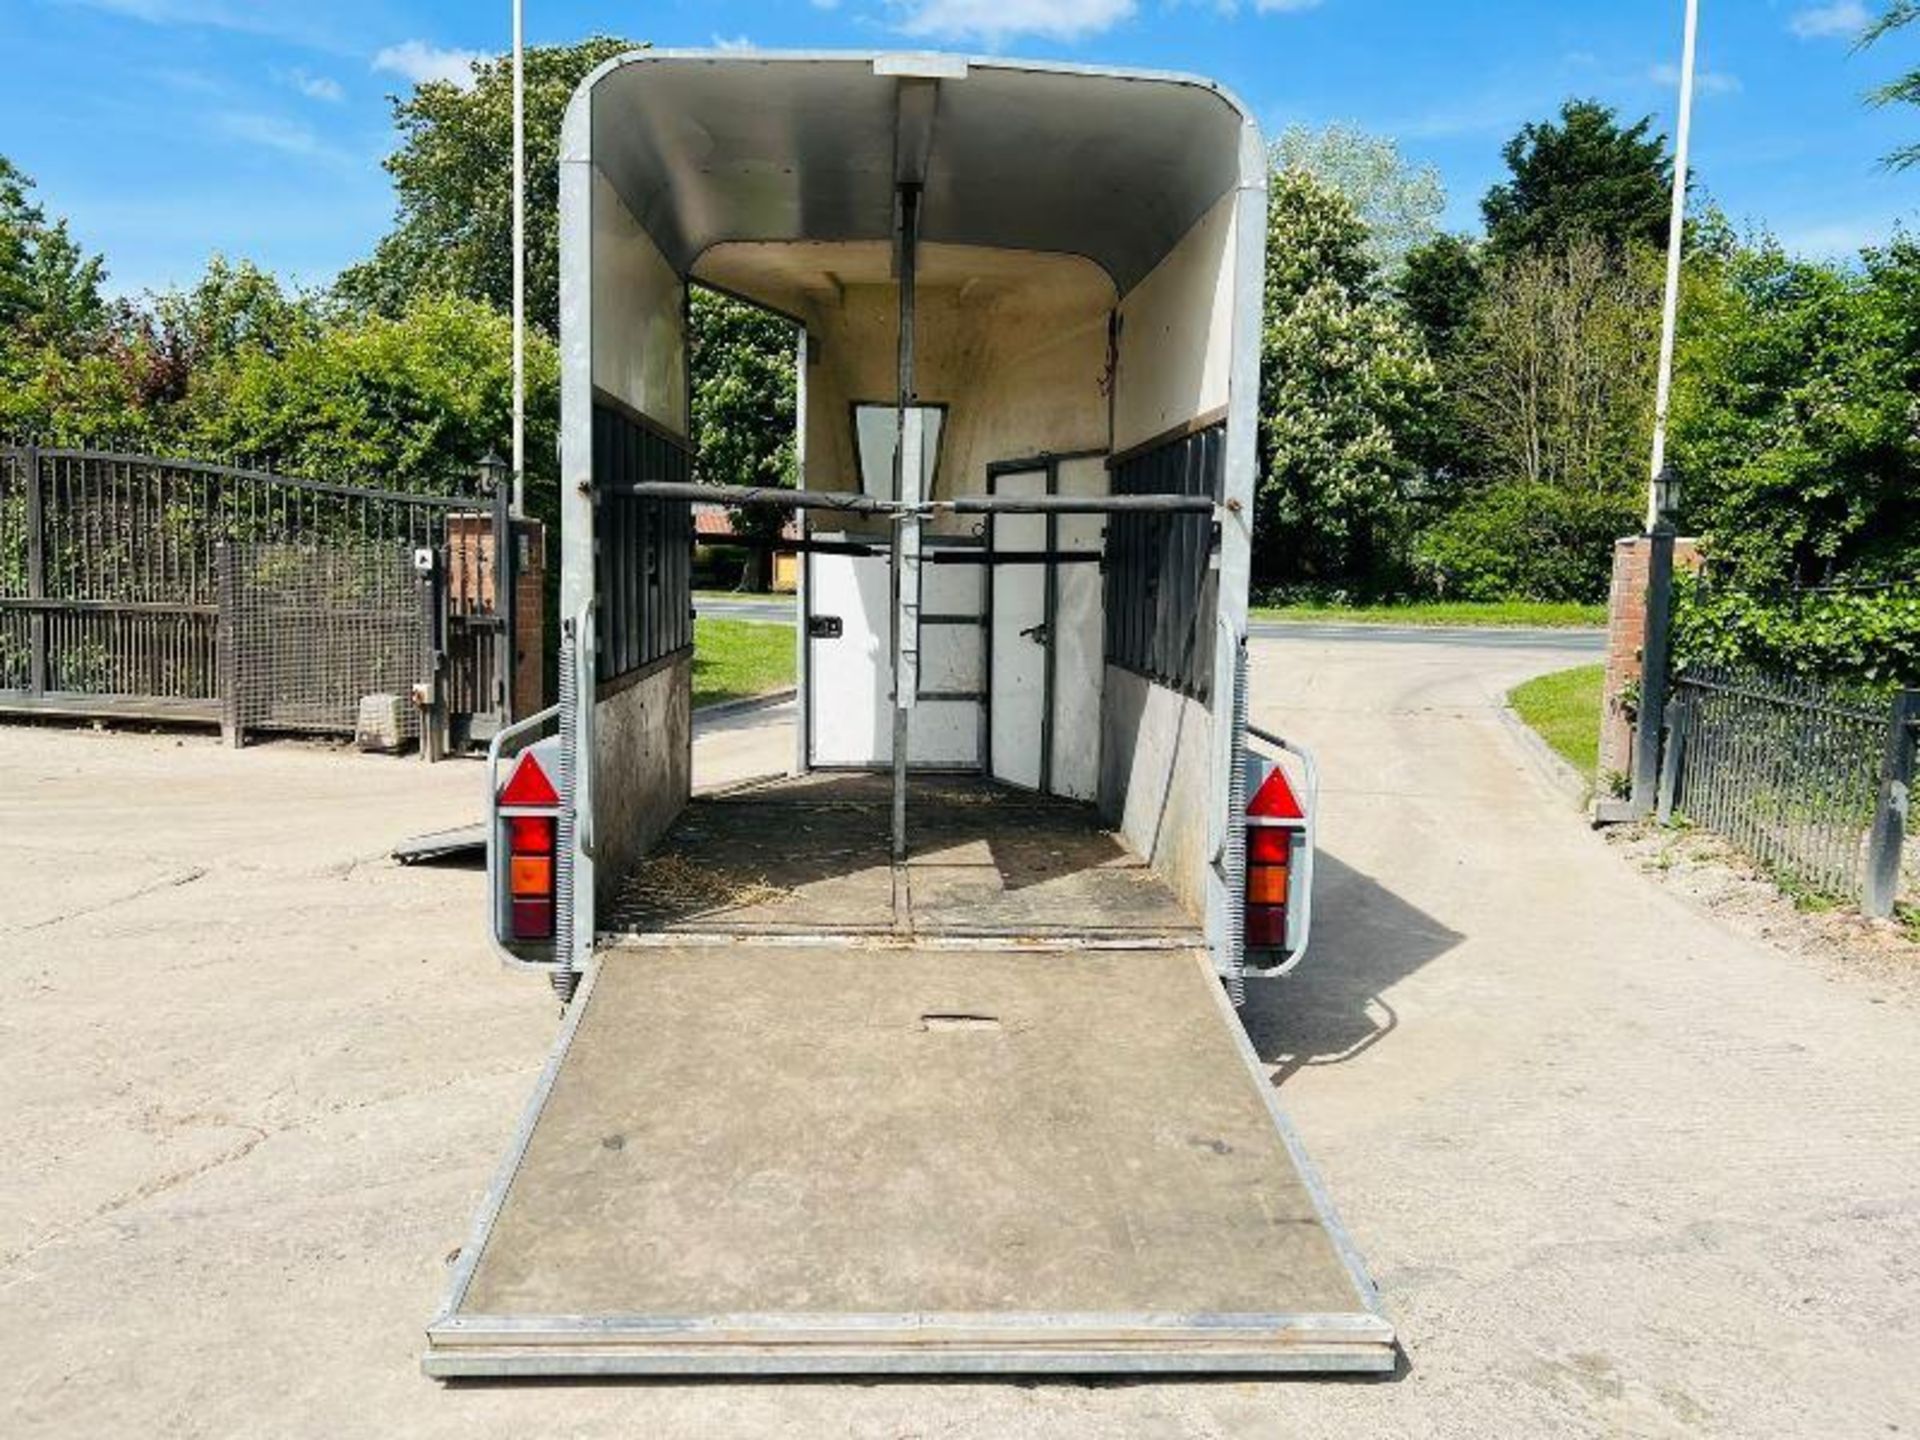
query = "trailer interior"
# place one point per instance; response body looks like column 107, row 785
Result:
column 921, row 1056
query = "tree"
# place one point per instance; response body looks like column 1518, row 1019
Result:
column 1554, row 377
column 406, row 403
column 1794, row 421
column 1583, row 178
column 1525, row 542
column 1344, row 388
column 177, row 337
column 1441, row 288
column 453, row 234
column 49, row 288
column 1906, row 89
column 743, row 408
column 1399, row 204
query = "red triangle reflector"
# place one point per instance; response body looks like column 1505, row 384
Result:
column 528, row 785
column 1275, row 799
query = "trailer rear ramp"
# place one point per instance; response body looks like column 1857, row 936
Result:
column 880, row 1156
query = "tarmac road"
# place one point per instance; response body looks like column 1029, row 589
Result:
column 781, row 612
column 1616, row 1169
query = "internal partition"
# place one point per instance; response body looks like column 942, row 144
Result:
column 1083, row 322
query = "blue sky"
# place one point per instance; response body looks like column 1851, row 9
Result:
column 171, row 129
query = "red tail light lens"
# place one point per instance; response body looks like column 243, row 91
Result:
column 1269, row 845
column 1266, row 926
column 533, row 920
column 530, row 835
column 530, row 874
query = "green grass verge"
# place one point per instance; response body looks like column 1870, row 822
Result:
column 735, row 659
column 1563, row 709
column 1497, row 614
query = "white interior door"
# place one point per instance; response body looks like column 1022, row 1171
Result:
column 850, row 665
column 849, row 662
column 1018, row 685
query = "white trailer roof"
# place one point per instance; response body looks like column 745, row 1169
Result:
column 707, row 148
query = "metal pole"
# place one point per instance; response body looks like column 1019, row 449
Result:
column 1653, row 670
column 1889, row 833
column 1675, row 759
column 779, row 497
column 902, row 679
column 506, row 635
column 1676, row 236
column 519, row 266
column 37, row 625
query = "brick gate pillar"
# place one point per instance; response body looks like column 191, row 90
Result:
column 1626, row 634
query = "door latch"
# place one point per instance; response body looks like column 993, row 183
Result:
column 1039, row 634
column 824, row 627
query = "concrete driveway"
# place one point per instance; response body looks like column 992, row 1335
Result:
column 1617, row 1170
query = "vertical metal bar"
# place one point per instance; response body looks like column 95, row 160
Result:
column 1675, row 757
column 226, row 645
column 1653, row 668
column 503, row 601
column 36, row 573
column 908, row 245
column 1888, row 838
column 431, row 590
column 1050, row 605
column 990, row 578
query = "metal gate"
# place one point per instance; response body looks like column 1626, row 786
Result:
column 111, row 596
column 311, row 629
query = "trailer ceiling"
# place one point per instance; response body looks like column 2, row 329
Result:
column 706, row 149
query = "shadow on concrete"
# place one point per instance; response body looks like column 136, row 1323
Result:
column 1365, row 940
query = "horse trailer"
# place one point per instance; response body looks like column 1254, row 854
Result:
column 922, row 1055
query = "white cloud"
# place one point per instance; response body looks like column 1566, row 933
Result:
column 299, row 25
column 423, row 63
column 734, row 43
column 1836, row 239
column 317, row 87
column 178, row 12
column 994, row 21
column 1707, row 82
column 1840, row 17
column 275, row 132
column 1284, row 7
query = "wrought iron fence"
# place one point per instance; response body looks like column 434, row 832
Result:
column 1794, row 775
column 110, row 575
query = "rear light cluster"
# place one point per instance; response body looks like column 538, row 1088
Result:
column 1274, row 820
column 530, row 849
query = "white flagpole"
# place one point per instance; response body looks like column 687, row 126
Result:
column 1675, row 238
column 519, row 268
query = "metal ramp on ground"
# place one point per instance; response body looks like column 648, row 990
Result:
column 873, row 1156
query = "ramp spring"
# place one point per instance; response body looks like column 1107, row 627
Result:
column 1236, row 838
column 564, row 976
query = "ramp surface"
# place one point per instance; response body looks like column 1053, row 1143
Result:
column 788, row 1159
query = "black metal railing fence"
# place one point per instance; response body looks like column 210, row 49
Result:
column 1808, row 780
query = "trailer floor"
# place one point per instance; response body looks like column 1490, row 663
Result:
column 762, row 1158
column 812, row 855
